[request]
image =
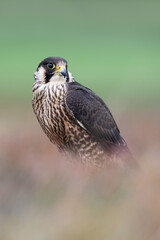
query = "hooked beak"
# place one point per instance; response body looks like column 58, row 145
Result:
column 61, row 70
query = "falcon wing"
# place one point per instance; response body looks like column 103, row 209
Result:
column 93, row 114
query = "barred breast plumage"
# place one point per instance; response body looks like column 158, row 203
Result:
column 74, row 117
column 60, row 125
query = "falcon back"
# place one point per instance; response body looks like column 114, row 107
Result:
column 75, row 118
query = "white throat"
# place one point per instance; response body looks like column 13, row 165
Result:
column 56, row 79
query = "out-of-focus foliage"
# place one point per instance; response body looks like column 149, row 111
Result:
column 42, row 196
column 112, row 47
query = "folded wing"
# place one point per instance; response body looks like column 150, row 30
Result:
column 93, row 114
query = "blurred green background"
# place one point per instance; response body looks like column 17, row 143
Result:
column 112, row 47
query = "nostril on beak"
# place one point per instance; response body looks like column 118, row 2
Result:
column 63, row 72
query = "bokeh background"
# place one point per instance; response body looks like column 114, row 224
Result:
column 112, row 47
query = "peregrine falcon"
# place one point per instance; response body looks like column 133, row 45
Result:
column 74, row 117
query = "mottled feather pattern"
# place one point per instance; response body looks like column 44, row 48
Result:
column 76, row 119
column 60, row 125
column 93, row 113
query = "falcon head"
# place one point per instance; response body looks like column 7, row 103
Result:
column 53, row 69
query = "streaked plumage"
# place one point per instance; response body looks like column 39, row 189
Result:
column 75, row 118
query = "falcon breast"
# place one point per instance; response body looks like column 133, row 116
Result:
column 74, row 117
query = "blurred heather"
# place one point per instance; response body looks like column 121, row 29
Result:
column 112, row 47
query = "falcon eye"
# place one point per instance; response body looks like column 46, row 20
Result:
column 50, row 65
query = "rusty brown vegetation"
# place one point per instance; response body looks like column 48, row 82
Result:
column 44, row 197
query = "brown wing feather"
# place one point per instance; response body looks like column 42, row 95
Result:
column 91, row 111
